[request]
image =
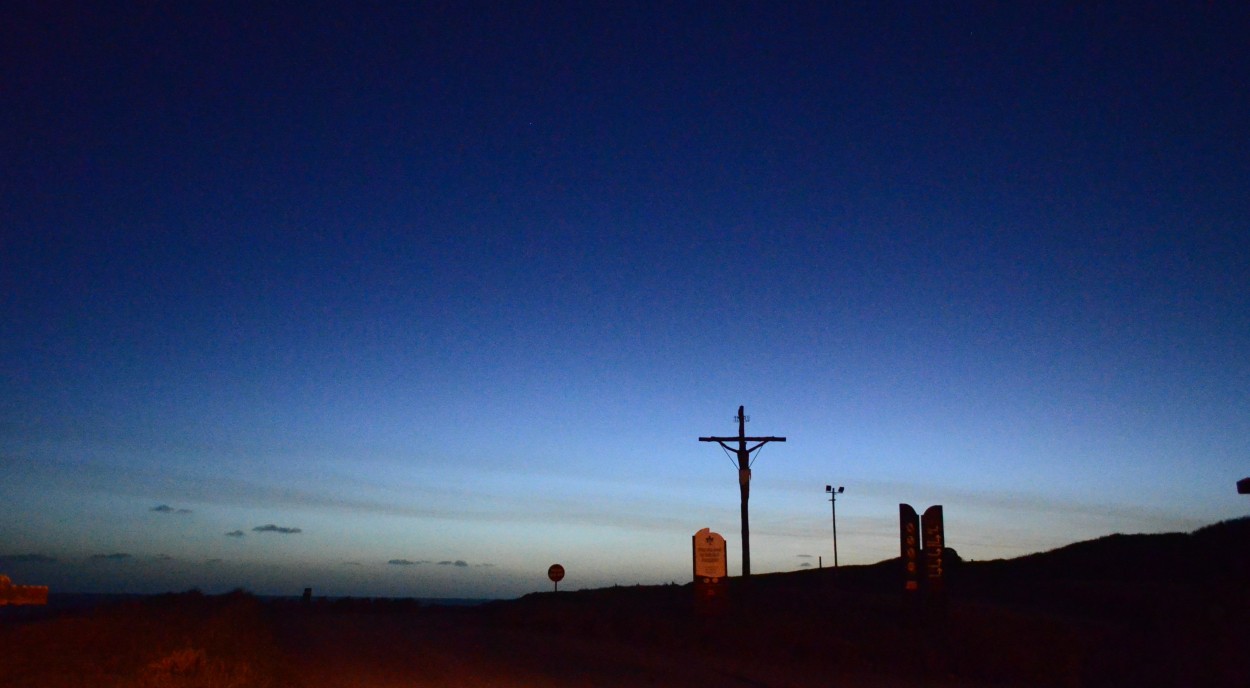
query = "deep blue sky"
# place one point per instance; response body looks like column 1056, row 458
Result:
column 464, row 283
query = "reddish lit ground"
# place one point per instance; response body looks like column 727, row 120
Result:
column 1167, row 610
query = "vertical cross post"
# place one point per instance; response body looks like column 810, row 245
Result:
column 743, row 455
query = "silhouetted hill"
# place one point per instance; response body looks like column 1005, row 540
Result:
column 1216, row 555
column 1120, row 610
column 1167, row 609
column 1218, row 551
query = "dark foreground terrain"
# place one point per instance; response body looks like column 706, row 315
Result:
column 1141, row 610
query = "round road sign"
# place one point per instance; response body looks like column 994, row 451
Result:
column 555, row 573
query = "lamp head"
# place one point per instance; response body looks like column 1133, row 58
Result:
column 828, row 488
column 841, row 489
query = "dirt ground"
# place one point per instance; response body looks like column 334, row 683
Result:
column 237, row 641
column 784, row 632
column 446, row 650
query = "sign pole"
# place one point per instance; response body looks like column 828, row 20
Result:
column 934, row 543
column 708, row 555
column 909, row 546
column 555, row 572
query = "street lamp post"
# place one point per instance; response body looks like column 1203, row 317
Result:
column 833, row 501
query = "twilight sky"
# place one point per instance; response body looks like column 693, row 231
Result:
column 418, row 301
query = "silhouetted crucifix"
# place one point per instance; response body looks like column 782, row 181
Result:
column 743, row 452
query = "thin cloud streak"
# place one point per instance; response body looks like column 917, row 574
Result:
column 646, row 513
column 271, row 528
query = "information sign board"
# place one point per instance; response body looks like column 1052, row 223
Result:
column 710, row 556
column 934, row 548
column 909, row 546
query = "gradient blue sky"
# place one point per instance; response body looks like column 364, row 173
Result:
column 452, row 289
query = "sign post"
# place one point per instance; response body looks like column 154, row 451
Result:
column 709, row 556
column 710, row 565
column 909, row 546
column 556, row 573
column 934, row 550
column 923, row 562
